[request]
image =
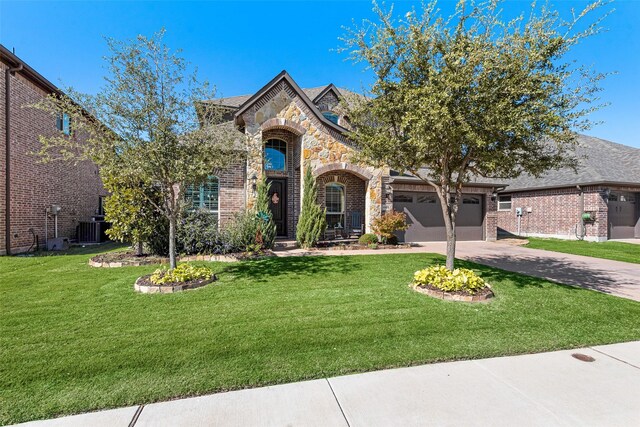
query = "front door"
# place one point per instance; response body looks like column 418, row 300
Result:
column 278, row 204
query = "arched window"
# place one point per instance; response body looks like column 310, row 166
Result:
column 334, row 202
column 275, row 155
column 331, row 116
column 204, row 196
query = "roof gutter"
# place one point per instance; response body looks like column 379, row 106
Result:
column 582, row 185
column 414, row 180
column 7, row 171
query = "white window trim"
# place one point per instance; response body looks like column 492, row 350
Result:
column 510, row 203
column 343, row 201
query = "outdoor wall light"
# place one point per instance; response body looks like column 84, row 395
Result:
column 254, row 179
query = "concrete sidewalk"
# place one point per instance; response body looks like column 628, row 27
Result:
column 545, row 389
column 613, row 277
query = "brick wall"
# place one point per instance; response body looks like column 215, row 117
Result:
column 291, row 174
column 556, row 213
column 232, row 183
column 35, row 186
column 354, row 187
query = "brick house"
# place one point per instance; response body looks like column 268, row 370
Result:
column 28, row 188
column 288, row 128
column 606, row 187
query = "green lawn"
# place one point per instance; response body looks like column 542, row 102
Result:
column 617, row 251
column 75, row 338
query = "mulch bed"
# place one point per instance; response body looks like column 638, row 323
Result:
column 480, row 296
column 146, row 286
column 358, row 247
column 129, row 259
column 122, row 259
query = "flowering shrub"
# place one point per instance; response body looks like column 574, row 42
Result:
column 182, row 273
column 368, row 239
column 460, row 279
column 388, row 223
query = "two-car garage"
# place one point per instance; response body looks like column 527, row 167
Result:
column 426, row 223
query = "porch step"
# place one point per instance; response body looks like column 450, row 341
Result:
column 285, row 244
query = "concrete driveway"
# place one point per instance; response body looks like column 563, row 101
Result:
column 611, row 277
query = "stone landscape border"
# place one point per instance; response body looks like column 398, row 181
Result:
column 446, row 296
column 138, row 263
column 169, row 289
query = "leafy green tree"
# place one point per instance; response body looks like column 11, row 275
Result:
column 266, row 228
column 312, row 220
column 471, row 95
column 147, row 124
column 127, row 209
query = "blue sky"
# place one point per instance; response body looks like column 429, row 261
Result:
column 239, row 46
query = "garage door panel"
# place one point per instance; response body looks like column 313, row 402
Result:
column 623, row 215
column 468, row 233
column 425, row 220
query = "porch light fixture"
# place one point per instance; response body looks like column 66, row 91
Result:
column 254, row 179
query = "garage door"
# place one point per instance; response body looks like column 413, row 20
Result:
column 623, row 215
column 424, row 216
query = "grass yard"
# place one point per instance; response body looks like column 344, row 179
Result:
column 617, row 251
column 76, row 338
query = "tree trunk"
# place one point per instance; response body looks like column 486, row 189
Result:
column 139, row 249
column 449, row 211
column 451, row 244
column 172, row 242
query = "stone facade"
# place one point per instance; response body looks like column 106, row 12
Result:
column 34, row 185
column 282, row 111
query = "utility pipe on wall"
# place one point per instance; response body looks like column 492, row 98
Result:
column 582, row 232
column 7, row 171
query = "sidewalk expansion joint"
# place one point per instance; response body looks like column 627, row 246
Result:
column 615, row 358
column 338, row 402
column 134, row 420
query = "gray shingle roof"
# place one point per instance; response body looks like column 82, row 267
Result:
column 600, row 161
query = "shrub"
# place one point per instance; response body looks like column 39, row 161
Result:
column 368, row 239
column 158, row 242
column 182, row 273
column 240, row 232
column 265, row 228
column 198, row 233
column 386, row 224
column 440, row 277
column 312, row 221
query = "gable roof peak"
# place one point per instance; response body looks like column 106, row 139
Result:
column 284, row 75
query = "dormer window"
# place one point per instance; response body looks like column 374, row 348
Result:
column 331, row 116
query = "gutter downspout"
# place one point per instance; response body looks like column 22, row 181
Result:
column 7, row 123
column 582, row 233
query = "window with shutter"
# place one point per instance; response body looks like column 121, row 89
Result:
column 204, row 196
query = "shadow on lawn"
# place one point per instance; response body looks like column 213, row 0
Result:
column 90, row 249
column 264, row 269
column 545, row 269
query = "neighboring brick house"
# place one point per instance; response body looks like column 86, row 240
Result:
column 606, row 187
column 27, row 186
column 288, row 128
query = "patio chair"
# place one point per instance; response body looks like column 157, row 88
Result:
column 330, row 233
column 357, row 227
